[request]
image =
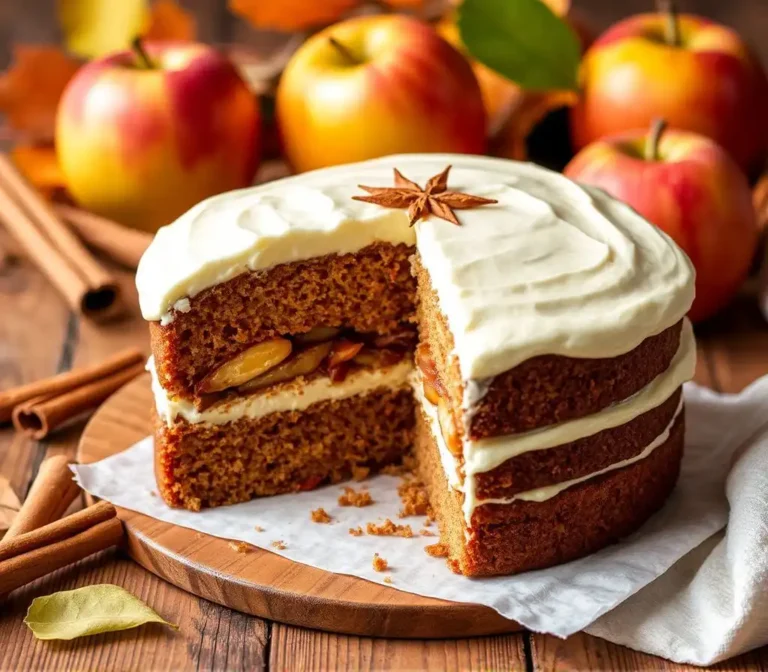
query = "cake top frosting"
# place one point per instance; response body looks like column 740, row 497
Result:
column 552, row 268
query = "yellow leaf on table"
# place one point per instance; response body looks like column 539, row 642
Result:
column 290, row 14
column 31, row 87
column 93, row 28
column 39, row 164
column 88, row 611
column 168, row 21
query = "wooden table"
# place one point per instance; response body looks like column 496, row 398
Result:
column 39, row 336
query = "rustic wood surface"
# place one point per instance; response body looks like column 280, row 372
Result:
column 38, row 337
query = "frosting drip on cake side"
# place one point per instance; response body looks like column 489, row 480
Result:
column 552, row 268
column 293, row 396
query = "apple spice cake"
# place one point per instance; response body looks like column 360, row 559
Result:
column 547, row 322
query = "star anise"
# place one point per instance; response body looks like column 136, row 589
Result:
column 433, row 199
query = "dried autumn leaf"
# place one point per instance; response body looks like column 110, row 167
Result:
column 93, row 28
column 168, row 21
column 9, row 505
column 290, row 15
column 88, row 611
column 30, row 89
column 40, row 165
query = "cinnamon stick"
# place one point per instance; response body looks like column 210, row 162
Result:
column 57, row 530
column 69, row 543
column 121, row 243
column 64, row 382
column 52, row 491
column 39, row 416
column 56, row 251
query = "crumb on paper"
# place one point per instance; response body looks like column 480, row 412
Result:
column 321, row 516
column 379, row 563
column 439, row 550
column 279, row 544
column 413, row 495
column 258, row 528
column 360, row 473
column 387, row 579
column 359, row 498
column 239, row 546
column 426, row 533
column 152, row 493
column 408, row 466
column 389, row 529
column 356, row 531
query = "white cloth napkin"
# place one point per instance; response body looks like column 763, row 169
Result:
column 710, row 605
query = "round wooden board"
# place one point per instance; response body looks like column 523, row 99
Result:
column 260, row 582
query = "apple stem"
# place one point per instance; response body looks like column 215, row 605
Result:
column 142, row 57
column 654, row 136
column 343, row 50
column 671, row 25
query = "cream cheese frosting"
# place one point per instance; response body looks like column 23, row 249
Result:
column 552, row 268
column 281, row 398
column 486, row 454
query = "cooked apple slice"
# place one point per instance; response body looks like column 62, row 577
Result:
column 302, row 363
column 252, row 362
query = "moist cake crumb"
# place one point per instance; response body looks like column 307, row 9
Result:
column 413, row 495
column 426, row 533
column 379, row 563
column 239, row 546
column 389, row 529
column 356, row 531
column 279, row 544
column 387, row 579
column 439, row 550
column 350, row 497
column 258, row 528
column 321, row 516
column 360, row 473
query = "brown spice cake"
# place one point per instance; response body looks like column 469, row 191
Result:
column 524, row 535
column 542, row 390
column 370, row 292
column 202, row 465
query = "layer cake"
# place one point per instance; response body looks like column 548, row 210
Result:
column 548, row 326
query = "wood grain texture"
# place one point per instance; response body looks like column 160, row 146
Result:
column 299, row 649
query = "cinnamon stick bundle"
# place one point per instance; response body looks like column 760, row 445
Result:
column 38, row 408
column 29, row 556
column 87, row 287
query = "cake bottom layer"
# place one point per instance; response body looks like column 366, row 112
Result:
column 203, row 465
column 524, row 535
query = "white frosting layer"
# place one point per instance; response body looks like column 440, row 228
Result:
column 486, row 454
column 281, row 398
column 553, row 268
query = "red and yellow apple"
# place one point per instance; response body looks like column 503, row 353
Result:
column 141, row 141
column 699, row 75
column 690, row 188
column 377, row 85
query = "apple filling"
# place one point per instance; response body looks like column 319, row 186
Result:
column 331, row 351
column 436, row 394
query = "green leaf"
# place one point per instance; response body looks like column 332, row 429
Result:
column 88, row 611
column 522, row 40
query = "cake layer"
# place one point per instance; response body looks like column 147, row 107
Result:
column 540, row 391
column 522, row 535
column 370, row 292
column 202, row 465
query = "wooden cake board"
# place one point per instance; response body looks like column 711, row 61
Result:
column 260, row 582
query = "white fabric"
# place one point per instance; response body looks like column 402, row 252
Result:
column 674, row 589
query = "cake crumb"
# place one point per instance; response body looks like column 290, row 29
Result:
column 279, row 544
column 426, row 533
column 379, row 563
column 360, row 473
column 239, row 546
column 387, row 579
column 350, row 497
column 413, row 495
column 356, row 531
column 408, row 466
column 321, row 516
column 389, row 529
column 439, row 550
column 152, row 493
column 258, row 528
